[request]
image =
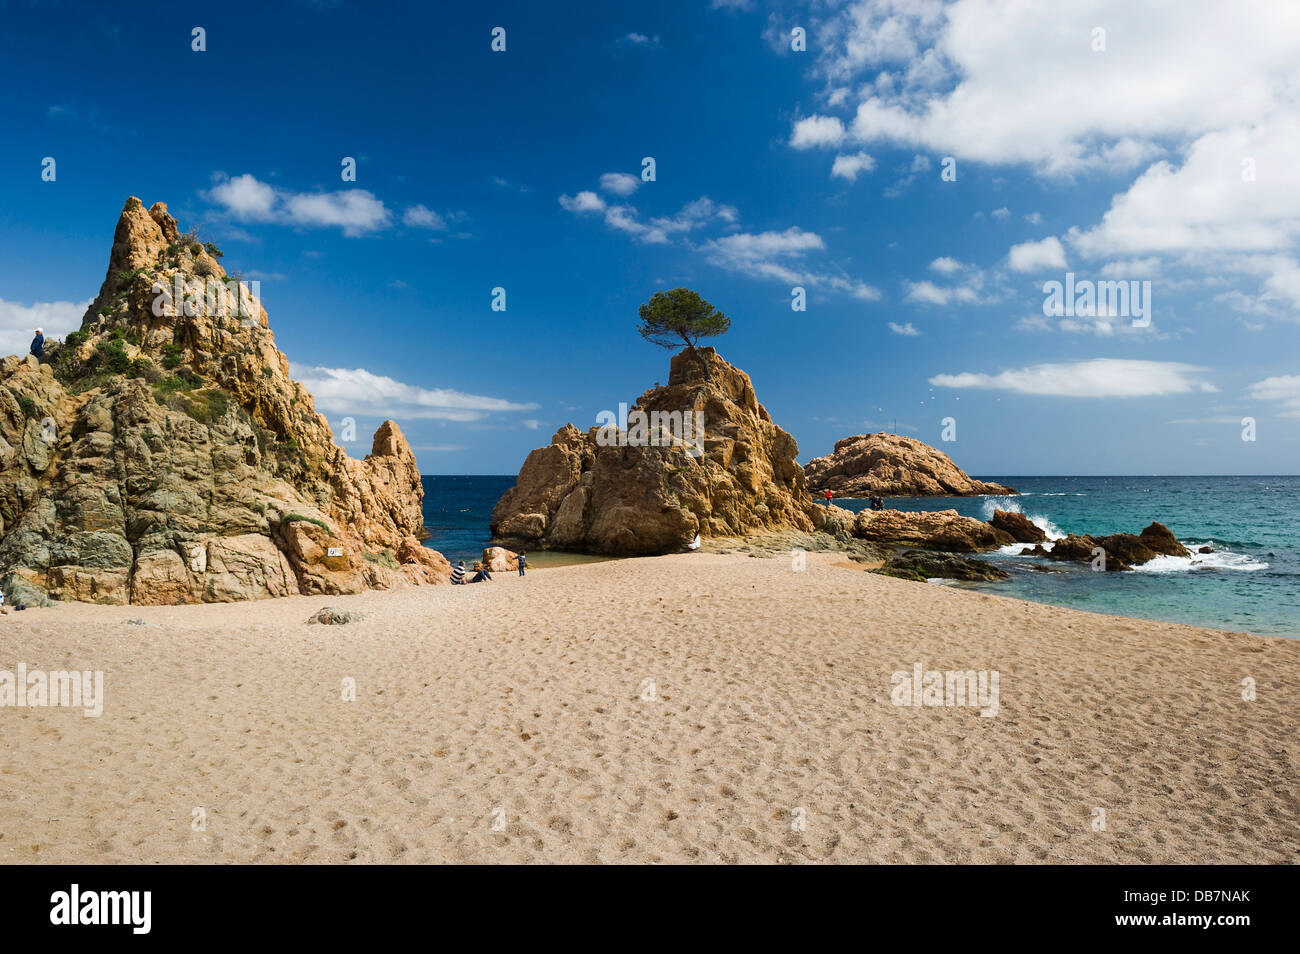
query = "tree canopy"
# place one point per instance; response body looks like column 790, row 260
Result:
column 680, row 316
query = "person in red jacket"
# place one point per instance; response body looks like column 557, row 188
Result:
column 828, row 498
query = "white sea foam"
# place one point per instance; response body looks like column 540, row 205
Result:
column 1218, row 560
column 1011, row 506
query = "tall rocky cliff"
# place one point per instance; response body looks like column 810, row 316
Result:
column 163, row 455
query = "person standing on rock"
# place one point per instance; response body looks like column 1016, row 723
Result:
column 828, row 498
column 523, row 561
column 38, row 345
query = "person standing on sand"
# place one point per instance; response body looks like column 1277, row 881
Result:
column 523, row 561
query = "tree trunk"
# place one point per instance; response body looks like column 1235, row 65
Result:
column 704, row 365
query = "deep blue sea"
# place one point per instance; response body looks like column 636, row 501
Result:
column 1251, row 582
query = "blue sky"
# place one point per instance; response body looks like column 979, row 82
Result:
column 1166, row 155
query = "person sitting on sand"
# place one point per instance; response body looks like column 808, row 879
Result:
column 482, row 576
column 4, row 610
column 694, row 544
column 458, row 574
column 523, row 561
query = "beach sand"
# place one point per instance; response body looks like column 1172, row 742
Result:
column 520, row 703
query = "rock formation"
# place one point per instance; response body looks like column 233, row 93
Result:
column 163, row 455
column 887, row 465
column 934, row 530
column 1123, row 551
column 616, row 492
column 1021, row 528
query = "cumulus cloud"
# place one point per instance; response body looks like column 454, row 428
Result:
column 357, row 391
column 906, row 330
column 1210, row 139
column 1095, row 378
column 848, row 165
column 585, row 201
column 245, row 198
column 817, row 131
column 18, row 323
column 1006, row 81
column 1035, row 256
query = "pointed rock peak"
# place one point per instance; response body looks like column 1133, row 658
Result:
column 139, row 240
column 158, row 212
column 390, row 441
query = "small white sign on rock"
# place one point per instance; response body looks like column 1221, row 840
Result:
column 334, row 551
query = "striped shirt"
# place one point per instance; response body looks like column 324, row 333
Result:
column 458, row 574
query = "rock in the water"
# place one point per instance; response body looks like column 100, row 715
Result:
column 1020, row 527
column 888, row 465
column 1205, row 549
column 924, row 565
column 169, row 458
column 1123, row 551
column 935, row 530
column 586, row 492
column 333, row 616
column 1162, row 540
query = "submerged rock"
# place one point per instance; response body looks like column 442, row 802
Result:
column 164, row 455
column 923, row 565
column 888, row 465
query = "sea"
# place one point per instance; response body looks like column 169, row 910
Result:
column 1250, row 583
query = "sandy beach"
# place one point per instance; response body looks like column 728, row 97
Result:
column 513, row 722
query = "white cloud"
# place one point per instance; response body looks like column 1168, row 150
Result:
column 1007, row 81
column 847, row 166
column 640, row 39
column 357, row 391
column 946, row 266
column 1135, row 268
column 1034, row 218
column 780, row 256
column 906, row 330
column 1001, row 214
column 817, row 131
column 656, row 231
column 1284, row 388
column 18, row 323
column 355, row 211
column 1096, row 378
column 245, row 198
column 619, row 183
column 418, row 216
column 1035, row 256
column 585, row 201
column 1211, row 138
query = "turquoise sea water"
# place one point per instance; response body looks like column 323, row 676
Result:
column 1250, row 583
